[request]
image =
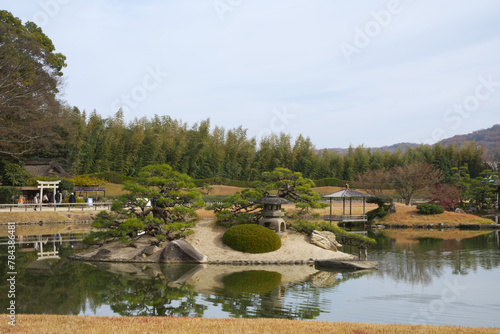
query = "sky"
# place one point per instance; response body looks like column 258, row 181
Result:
column 342, row 73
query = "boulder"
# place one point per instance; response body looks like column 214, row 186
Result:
column 458, row 210
column 345, row 264
column 392, row 207
column 325, row 239
column 179, row 251
column 101, row 254
column 149, row 250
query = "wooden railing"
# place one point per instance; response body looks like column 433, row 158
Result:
column 345, row 218
column 55, row 207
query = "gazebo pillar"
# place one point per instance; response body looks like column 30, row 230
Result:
column 331, row 199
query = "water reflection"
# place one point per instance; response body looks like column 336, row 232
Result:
column 408, row 262
column 420, row 257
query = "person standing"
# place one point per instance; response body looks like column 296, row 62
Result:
column 58, row 198
column 36, row 200
column 72, row 199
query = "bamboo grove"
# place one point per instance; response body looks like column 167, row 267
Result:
column 204, row 151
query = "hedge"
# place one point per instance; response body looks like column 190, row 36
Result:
column 429, row 209
column 251, row 238
column 342, row 236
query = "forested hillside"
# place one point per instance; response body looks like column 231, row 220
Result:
column 489, row 138
column 203, row 151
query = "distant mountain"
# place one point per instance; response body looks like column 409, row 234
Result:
column 490, row 138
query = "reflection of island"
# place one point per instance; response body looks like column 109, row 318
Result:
column 242, row 291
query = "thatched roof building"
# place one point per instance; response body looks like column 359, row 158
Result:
column 45, row 167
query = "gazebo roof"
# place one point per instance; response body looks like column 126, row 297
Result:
column 272, row 199
column 347, row 193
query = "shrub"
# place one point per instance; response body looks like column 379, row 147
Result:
column 251, row 238
column 447, row 196
column 6, row 194
column 341, row 235
column 379, row 200
column 378, row 212
column 67, row 185
column 429, row 209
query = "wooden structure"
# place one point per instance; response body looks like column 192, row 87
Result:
column 348, row 194
column 272, row 215
column 45, row 168
column 90, row 189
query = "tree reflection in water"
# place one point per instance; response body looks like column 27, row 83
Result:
column 68, row 287
column 423, row 259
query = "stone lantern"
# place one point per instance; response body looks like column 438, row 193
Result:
column 272, row 216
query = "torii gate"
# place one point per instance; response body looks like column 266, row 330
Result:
column 47, row 185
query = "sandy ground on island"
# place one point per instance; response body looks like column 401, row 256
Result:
column 207, row 239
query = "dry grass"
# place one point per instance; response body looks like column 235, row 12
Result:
column 114, row 189
column 34, row 216
column 411, row 236
column 92, row 324
column 408, row 215
column 222, row 190
column 46, row 216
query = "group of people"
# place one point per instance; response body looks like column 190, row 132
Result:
column 51, row 198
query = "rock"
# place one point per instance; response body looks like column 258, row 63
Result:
column 325, row 239
column 101, row 254
column 458, row 210
column 376, row 219
column 392, row 207
column 346, row 264
column 150, row 250
column 181, row 251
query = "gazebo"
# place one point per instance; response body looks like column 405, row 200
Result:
column 272, row 216
column 347, row 194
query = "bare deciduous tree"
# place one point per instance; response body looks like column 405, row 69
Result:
column 372, row 181
column 407, row 180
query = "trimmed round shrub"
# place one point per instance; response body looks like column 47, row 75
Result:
column 429, row 209
column 251, row 238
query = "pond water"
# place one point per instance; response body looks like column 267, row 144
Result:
column 442, row 278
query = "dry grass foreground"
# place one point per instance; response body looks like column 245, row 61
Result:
column 408, row 215
column 93, row 324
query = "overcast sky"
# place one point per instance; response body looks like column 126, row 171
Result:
column 340, row 72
